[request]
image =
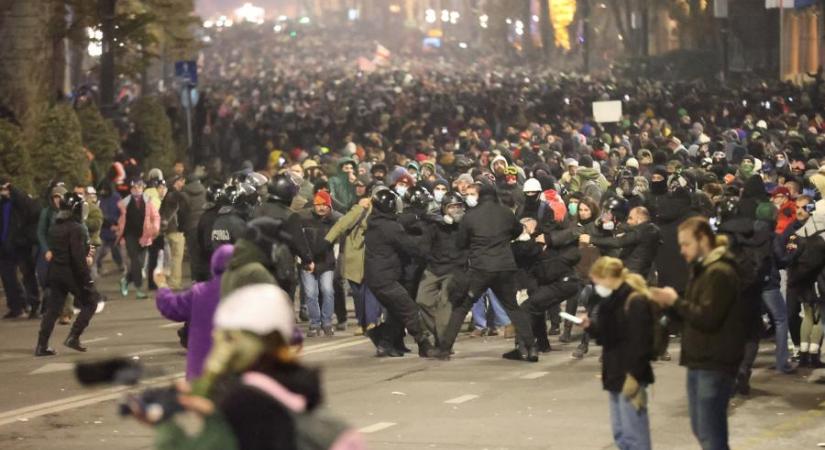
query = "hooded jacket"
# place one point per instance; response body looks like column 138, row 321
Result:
column 151, row 220
column 350, row 230
column 639, row 245
column 386, row 243
column 809, row 259
column 582, row 183
column 249, row 265
column 197, row 307
column 193, row 206
column 341, row 190
column 18, row 230
column 443, row 254
column 713, row 333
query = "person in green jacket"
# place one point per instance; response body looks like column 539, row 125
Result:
column 252, row 261
column 342, row 185
column 349, row 231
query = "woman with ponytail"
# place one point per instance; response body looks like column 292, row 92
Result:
column 622, row 324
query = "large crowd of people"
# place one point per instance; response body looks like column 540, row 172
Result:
column 426, row 187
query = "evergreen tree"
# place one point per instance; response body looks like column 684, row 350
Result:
column 57, row 148
column 14, row 159
column 153, row 134
column 99, row 134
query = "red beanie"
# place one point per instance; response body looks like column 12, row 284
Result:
column 323, row 198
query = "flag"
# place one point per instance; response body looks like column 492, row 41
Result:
column 382, row 55
column 365, row 65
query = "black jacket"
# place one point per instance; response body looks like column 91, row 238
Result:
column 291, row 224
column 638, row 245
column 808, row 262
column 170, row 208
column 625, row 332
column 313, row 231
column 486, row 231
column 562, row 254
column 443, row 254
column 69, row 244
column 24, row 214
column 672, row 210
column 229, row 226
column 385, row 242
column 192, row 207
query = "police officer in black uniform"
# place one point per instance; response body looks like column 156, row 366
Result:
column 230, row 223
column 215, row 200
column 69, row 272
column 385, row 243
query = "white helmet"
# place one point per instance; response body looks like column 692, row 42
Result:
column 259, row 309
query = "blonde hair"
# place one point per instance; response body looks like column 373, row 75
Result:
column 610, row 267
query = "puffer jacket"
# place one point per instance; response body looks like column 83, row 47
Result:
column 151, row 221
column 197, row 307
column 713, row 333
column 350, row 230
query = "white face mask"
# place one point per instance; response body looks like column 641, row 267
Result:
column 401, row 190
column 472, row 201
column 602, row 291
column 608, row 226
column 438, row 196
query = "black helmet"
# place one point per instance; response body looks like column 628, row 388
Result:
column 282, row 189
column 727, row 209
column 72, row 206
column 386, row 201
column 418, row 197
column 248, row 195
column 231, row 195
column 216, row 195
column 618, row 207
column 625, row 181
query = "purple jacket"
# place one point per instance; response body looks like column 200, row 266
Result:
column 197, row 306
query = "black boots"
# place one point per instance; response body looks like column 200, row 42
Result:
column 426, row 349
column 382, row 348
column 523, row 352
column 73, row 342
column 804, row 359
column 543, row 344
column 743, row 384
column 44, row 351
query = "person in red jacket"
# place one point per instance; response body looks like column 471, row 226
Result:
column 781, row 198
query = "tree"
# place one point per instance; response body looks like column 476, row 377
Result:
column 153, row 134
column 57, row 148
column 99, row 134
column 14, row 159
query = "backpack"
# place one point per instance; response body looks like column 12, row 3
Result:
column 661, row 334
column 283, row 262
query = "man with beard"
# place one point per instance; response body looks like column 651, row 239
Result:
column 638, row 243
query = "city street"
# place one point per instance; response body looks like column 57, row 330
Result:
column 475, row 401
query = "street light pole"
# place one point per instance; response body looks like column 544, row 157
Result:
column 107, row 58
column 586, row 36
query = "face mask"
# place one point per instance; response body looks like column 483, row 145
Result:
column 297, row 179
column 401, row 190
column 608, row 226
column 602, row 291
column 781, row 163
column 472, row 201
column 438, row 196
column 573, row 208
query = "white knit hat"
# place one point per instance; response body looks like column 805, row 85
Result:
column 532, row 185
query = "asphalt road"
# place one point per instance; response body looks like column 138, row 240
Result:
column 475, row 401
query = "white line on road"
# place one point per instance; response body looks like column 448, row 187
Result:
column 376, row 427
column 462, row 399
column 171, row 325
column 335, row 347
column 533, row 375
column 53, row 367
column 100, row 339
column 155, row 351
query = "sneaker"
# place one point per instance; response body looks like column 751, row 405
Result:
column 329, row 331
column 124, row 287
column 14, row 315
column 140, row 295
column 478, row 332
column 341, row 326
column 313, row 332
column 493, row 332
column 580, row 351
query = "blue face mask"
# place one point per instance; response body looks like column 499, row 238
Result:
column 573, row 208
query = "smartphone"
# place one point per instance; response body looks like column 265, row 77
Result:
column 571, row 318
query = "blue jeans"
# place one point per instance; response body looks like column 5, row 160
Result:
column 775, row 303
column 367, row 309
column 500, row 317
column 709, row 392
column 631, row 428
column 319, row 314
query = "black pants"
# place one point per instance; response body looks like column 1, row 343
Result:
column 61, row 284
column 340, row 298
column 137, row 257
column 549, row 297
column 402, row 312
column 154, row 253
column 794, row 321
column 19, row 297
column 198, row 265
column 503, row 285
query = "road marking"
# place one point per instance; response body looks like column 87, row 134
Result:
column 154, row 351
column 53, row 367
column 171, row 325
column 376, row 427
column 100, row 339
column 336, row 347
column 331, row 343
column 77, row 401
column 533, row 375
column 462, row 399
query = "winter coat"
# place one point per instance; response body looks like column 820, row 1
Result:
column 314, row 229
column 111, row 216
column 197, row 307
column 151, row 221
column 486, row 231
column 443, row 254
column 341, row 190
column 713, row 332
column 350, row 230
column 44, row 224
column 291, row 224
column 624, row 329
column 590, row 182
column 639, row 245
column 69, row 244
column 559, row 259
column 671, row 211
column 249, row 265
column 19, row 216
column 227, row 228
column 94, row 223
column 193, row 206
column 809, row 259
column 170, row 209
column 386, row 243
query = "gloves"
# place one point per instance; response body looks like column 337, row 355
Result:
column 634, row 393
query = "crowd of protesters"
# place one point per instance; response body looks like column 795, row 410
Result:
column 425, row 188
